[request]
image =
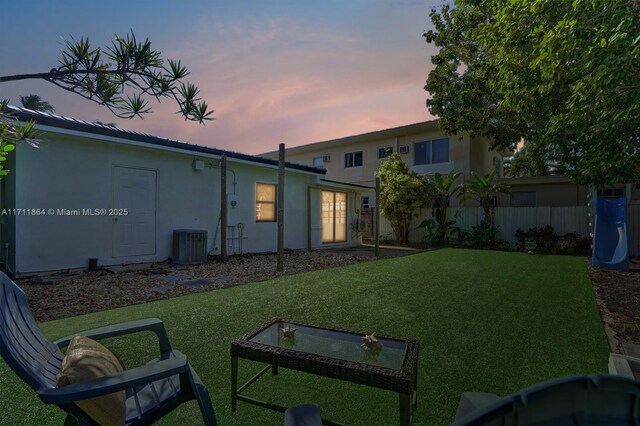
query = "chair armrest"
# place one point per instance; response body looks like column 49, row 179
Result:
column 150, row 324
column 116, row 382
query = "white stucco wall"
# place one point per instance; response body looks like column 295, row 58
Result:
column 69, row 172
column 76, row 172
column 262, row 236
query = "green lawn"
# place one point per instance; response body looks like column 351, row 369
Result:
column 486, row 321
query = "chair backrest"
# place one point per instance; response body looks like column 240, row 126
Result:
column 577, row 400
column 22, row 345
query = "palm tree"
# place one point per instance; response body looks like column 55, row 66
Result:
column 443, row 189
column 482, row 189
column 35, row 103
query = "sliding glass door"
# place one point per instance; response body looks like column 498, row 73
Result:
column 334, row 217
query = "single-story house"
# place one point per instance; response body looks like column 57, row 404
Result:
column 94, row 191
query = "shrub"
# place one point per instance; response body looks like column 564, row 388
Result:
column 487, row 236
column 437, row 234
column 545, row 238
column 548, row 241
column 564, row 246
column 573, row 243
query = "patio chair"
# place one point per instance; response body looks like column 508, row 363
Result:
column 577, row 400
column 151, row 391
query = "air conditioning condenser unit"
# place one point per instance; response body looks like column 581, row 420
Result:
column 189, row 246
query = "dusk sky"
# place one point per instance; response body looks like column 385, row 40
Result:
column 274, row 71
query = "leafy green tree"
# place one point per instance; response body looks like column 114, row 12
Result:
column 121, row 77
column 482, row 189
column 401, row 193
column 531, row 160
column 36, row 103
column 562, row 75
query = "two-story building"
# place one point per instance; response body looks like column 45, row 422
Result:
column 425, row 147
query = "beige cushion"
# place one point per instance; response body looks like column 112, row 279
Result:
column 87, row 359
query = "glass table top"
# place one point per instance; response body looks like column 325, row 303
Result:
column 332, row 343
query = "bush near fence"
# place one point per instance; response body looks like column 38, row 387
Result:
column 564, row 220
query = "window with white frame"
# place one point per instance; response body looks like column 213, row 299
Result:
column 431, row 152
column 365, row 202
column 353, row 159
column 266, row 202
column 385, row 152
column 611, row 193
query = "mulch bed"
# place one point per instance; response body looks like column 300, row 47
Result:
column 618, row 297
column 85, row 292
column 617, row 293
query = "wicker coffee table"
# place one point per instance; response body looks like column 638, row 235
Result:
column 331, row 353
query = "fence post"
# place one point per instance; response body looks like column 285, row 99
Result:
column 280, row 262
column 223, row 208
column 376, row 231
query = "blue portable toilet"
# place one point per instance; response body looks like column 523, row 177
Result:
column 610, row 244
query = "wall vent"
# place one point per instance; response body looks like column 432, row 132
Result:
column 404, row 149
column 326, row 158
column 189, row 246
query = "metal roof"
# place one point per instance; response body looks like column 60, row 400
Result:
column 53, row 120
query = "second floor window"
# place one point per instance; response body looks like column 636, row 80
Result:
column 385, row 152
column 431, row 152
column 353, row 159
column 318, row 162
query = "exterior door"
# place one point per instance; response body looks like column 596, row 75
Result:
column 334, row 217
column 134, row 234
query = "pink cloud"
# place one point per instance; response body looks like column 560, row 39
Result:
column 274, row 80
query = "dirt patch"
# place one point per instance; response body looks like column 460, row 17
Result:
column 618, row 297
column 63, row 295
